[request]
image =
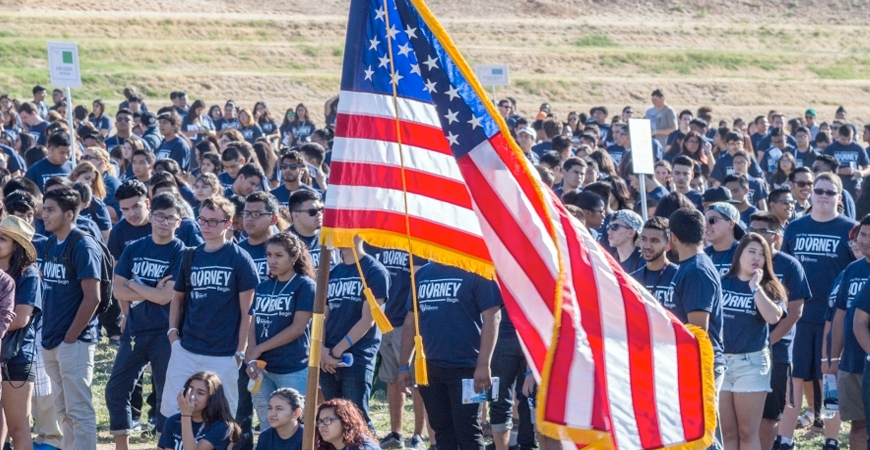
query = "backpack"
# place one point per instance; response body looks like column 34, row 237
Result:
column 107, row 265
column 186, row 269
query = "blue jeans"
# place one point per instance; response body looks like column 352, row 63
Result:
column 130, row 362
column 353, row 383
column 271, row 382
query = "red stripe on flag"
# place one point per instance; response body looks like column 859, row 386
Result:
column 394, row 222
column 383, row 129
column 390, row 177
column 642, row 367
column 590, row 315
column 515, row 165
column 690, row 382
column 509, row 232
column 536, row 347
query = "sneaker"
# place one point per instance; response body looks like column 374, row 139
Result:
column 777, row 443
column 805, row 420
column 417, row 442
column 831, row 444
column 392, row 440
column 783, row 446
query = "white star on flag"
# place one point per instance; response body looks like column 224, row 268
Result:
column 475, row 121
column 385, row 60
column 369, row 72
column 374, row 43
column 395, row 78
column 453, row 92
column 404, row 50
column 379, row 14
column 392, row 32
column 411, row 32
column 451, row 116
column 430, row 86
column 415, row 68
column 431, row 62
column 453, row 138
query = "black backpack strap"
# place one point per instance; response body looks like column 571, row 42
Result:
column 186, row 269
column 72, row 240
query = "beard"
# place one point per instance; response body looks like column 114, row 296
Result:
column 290, row 178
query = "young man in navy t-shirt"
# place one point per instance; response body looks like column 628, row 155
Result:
column 819, row 241
column 459, row 320
column 658, row 272
column 214, row 332
column 790, row 273
column 69, row 332
column 291, row 166
column 854, row 163
column 144, row 285
column 306, row 210
column 173, row 145
column 350, row 328
column 55, row 164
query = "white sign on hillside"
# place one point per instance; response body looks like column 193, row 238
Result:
column 63, row 64
column 642, row 157
column 492, row 74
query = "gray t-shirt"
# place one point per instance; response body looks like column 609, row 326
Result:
column 661, row 119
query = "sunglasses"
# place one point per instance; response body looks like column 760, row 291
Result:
column 787, row 202
column 616, row 226
column 122, row 119
column 311, row 212
column 290, row 166
column 713, row 220
column 825, row 192
column 803, row 184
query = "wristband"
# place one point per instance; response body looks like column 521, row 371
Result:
column 122, row 315
column 168, row 332
column 754, row 291
column 404, row 369
column 253, row 361
column 332, row 355
column 350, row 342
column 528, row 372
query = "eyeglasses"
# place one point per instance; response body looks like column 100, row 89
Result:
column 616, row 226
column 760, row 231
column 311, row 212
column 211, row 222
column 803, row 184
column 89, row 158
column 122, row 119
column 163, row 218
column 713, row 220
column 290, row 166
column 255, row 214
column 825, row 192
column 817, row 169
column 326, row 421
column 786, row 202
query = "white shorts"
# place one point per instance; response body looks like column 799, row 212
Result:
column 747, row 372
column 183, row 364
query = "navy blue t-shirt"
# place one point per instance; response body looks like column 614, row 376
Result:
column 149, row 263
column 275, row 306
column 852, row 155
column 283, row 194
column 823, row 250
column 313, row 243
column 696, row 287
column 805, row 159
column 258, row 255
column 123, row 234
column 721, row 259
column 854, row 277
column 657, row 282
column 744, row 329
column 176, row 149
column 251, row 133
column 269, row 440
column 451, row 301
column 746, row 216
column 226, row 180
column 790, row 273
column 38, row 132
column 635, row 261
column 616, row 152
column 28, row 291
column 862, row 300
column 188, row 125
column 98, row 213
column 724, row 166
column 211, row 324
column 345, row 301
column 227, row 124
column 399, row 266
column 63, row 293
column 217, row 433
column 101, row 123
column 43, row 169
column 14, row 161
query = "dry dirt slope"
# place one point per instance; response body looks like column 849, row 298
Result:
column 741, row 57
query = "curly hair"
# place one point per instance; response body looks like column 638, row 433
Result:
column 294, row 247
column 355, row 428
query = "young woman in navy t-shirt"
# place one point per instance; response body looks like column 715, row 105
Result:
column 282, row 309
column 205, row 421
column 752, row 298
column 341, row 426
column 285, row 431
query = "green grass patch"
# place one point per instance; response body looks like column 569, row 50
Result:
column 595, row 40
column 691, row 62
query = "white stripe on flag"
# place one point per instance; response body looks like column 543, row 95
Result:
column 380, row 105
column 665, row 365
column 391, row 200
column 516, row 203
column 616, row 357
column 387, row 154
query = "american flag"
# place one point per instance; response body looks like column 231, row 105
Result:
column 615, row 369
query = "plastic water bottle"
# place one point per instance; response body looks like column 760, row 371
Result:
column 830, row 404
column 254, row 385
column 346, row 360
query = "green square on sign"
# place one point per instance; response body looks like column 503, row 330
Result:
column 67, row 57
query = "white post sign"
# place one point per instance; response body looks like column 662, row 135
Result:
column 492, row 74
column 63, row 65
column 642, row 159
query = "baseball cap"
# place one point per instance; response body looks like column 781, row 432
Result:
column 169, row 117
column 810, row 112
column 630, row 218
column 528, row 130
column 148, row 119
column 718, row 194
column 729, row 212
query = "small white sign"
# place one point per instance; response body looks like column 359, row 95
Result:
column 63, row 64
column 642, row 157
column 493, row 74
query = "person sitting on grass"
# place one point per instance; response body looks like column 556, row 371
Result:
column 205, row 421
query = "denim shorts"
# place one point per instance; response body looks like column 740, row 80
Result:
column 747, row 372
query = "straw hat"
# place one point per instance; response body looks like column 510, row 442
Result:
column 21, row 232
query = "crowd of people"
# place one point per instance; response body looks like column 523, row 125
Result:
column 188, row 238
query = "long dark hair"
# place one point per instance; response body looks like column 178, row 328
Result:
column 294, row 247
column 769, row 283
column 355, row 430
column 19, row 261
column 216, row 409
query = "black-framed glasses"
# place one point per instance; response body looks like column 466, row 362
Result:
column 616, row 226
column 311, row 211
column 819, row 191
column 290, row 166
column 255, row 214
column 326, row 421
column 163, row 218
column 211, row 222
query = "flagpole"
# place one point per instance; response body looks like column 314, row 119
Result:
column 314, row 353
